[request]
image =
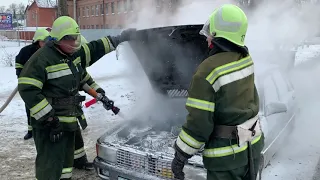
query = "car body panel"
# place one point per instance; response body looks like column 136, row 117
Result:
column 142, row 148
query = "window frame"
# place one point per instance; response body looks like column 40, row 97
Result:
column 112, row 8
column 97, row 9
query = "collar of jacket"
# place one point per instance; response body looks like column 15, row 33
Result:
column 36, row 45
column 222, row 45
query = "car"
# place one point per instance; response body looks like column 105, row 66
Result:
column 140, row 148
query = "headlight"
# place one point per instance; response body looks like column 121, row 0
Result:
column 107, row 153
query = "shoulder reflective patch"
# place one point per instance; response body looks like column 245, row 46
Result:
column 227, row 71
column 177, row 93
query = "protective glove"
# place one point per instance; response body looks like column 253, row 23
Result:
column 56, row 132
column 101, row 91
column 125, row 35
column 178, row 162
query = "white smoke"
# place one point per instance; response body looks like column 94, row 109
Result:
column 274, row 27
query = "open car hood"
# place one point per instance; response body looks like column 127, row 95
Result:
column 170, row 56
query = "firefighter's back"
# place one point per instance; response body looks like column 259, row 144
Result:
column 236, row 101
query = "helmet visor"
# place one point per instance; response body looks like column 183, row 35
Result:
column 205, row 31
column 70, row 43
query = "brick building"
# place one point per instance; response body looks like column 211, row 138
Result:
column 99, row 14
column 41, row 13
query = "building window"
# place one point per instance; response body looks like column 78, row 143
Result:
column 33, row 15
column 88, row 10
column 97, row 9
column 125, row 5
column 83, row 12
column 78, row 12
column 101, row 9
column 92, row 26
column 92, row 10
column 107, row 8
column 118, row 7
column 112, row 7
column 101, row 26
column 83, row 27
column 97, row 26
column 131, row 5
column 88, row 26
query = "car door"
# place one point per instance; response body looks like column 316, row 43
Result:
column 274, row 105
column 285, row 90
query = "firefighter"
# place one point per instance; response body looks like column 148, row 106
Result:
column 49, row 84
column 223, row 104
column 80, row 157
column 25, row 53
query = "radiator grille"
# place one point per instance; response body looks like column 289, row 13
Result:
column 146, row 164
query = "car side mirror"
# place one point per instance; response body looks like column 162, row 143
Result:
column 275, row 107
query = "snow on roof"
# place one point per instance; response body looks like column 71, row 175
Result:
column 46, row 3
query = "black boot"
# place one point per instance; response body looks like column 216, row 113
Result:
column 82, row 163
column 28, row 135
column 86, row 166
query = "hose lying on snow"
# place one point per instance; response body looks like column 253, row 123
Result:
column 9, row 99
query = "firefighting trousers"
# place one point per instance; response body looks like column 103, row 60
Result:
column 235, row 174
column 54, row 161
column 80, row 157
column 29, row 119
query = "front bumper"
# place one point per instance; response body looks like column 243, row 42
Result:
column 108, row 171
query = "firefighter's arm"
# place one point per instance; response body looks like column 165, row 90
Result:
column 199, row 126
column 87, row 79
column 30, row 83
column 93, row 51
column 19, row 62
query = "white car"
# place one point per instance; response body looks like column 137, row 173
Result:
column 141, row 148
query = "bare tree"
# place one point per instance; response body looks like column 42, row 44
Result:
column 21, row 8
column 2, row 9
column 12, row 8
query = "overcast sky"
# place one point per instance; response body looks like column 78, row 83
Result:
column 8, row 2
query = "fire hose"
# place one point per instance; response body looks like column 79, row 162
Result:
column 9, row 99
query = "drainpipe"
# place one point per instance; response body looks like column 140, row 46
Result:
column 74, row 10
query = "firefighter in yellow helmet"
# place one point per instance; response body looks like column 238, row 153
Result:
column 50, row 83
column 38, row 41
column 223, row 104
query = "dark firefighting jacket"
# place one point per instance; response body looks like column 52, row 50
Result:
column 50, row 82
column 24, row 55
column 222, row 92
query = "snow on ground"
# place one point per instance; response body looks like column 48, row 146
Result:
column 118, row 78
